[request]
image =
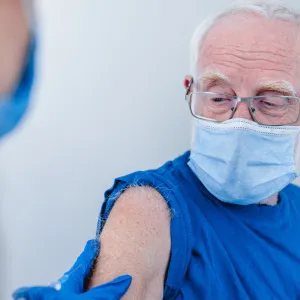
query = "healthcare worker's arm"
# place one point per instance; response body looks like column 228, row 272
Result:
column 136, row 241
column 14, row 39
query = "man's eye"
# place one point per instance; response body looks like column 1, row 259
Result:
column 219, row 99
column 266, row 103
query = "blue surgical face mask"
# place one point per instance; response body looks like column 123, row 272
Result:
column 13, row 106
column 241, row 162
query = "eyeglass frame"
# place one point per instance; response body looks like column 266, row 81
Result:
column 239, row 99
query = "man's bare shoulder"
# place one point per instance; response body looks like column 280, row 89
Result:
column 136, row 241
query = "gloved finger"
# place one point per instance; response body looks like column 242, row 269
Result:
column 35, row 293
column 73, row 280
column 86, row 259
column 112, row 290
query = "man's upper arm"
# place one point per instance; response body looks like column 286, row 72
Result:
column 136, row 241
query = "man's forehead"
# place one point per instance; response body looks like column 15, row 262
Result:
column 250, row 26
column 249, row 41
column 249, row 32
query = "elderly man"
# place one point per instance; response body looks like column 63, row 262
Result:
column 222, row 221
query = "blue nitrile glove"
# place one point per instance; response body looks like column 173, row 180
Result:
column 74, row 279
column 71, row 285
column 113, row 290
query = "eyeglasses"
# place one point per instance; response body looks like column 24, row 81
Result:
column 265, row 110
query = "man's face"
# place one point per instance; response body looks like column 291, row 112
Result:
column 247, row 55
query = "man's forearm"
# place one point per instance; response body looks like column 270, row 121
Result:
column 14, row 38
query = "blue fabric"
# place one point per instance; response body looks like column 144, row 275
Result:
column 14, row 106
column 71, row 285
column 221, row 250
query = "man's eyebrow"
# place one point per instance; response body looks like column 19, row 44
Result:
column 212, row 77
column 280, row 86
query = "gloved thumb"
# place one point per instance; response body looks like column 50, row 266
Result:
column 73, row 280
column 112, row 290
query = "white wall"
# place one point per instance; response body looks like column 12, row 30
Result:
column 109, row 100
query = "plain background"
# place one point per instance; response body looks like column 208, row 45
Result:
column 109, row 100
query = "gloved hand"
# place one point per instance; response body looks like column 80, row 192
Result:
column 71, row 285
column 113, row 290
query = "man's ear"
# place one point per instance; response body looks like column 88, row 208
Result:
column 187, row 81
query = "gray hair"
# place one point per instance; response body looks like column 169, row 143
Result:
column 268, row 9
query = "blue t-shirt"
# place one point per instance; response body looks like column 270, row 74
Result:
column 222, row 251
